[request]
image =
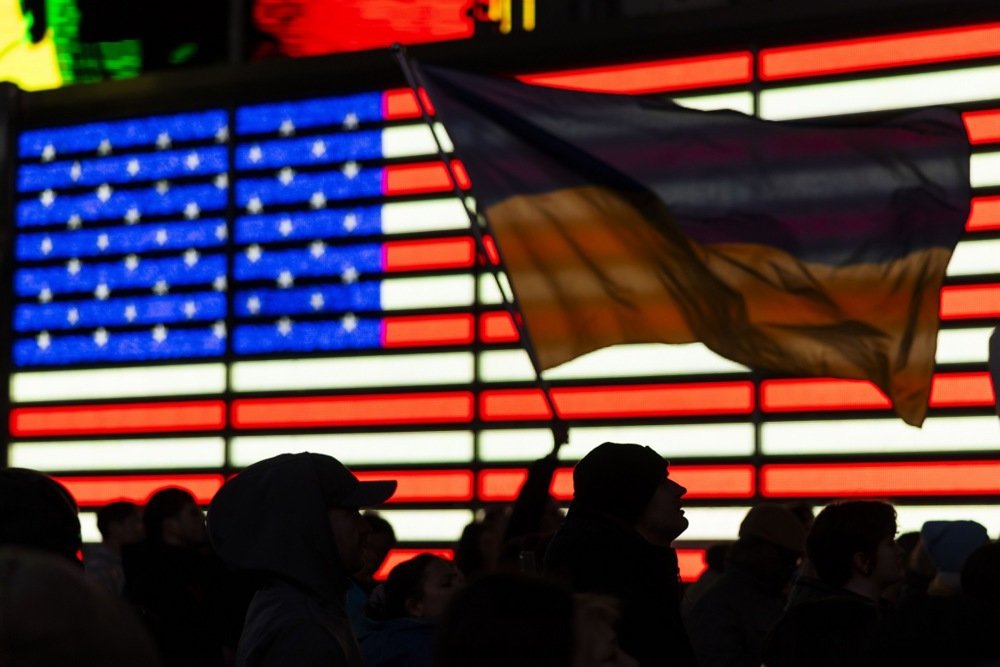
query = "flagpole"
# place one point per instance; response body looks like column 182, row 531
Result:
column 560, row 431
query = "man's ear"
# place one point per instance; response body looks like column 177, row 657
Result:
column 862, row 564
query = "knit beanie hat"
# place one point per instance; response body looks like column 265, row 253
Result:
column 618, row 479
column 775, row 524
column 949, row 543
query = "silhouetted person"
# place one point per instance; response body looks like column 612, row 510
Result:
column 379, row 541
column 405, row 610
column 478, row 551
column 293, row 521
column 948, row 544
column 716, row 559
column 174, row 585
column 852, row 548
column 616, row 540
column 120, row 524
column 38, row 512
column 534, row 519
column 729, row 624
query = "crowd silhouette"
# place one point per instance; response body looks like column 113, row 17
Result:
column 284, row 572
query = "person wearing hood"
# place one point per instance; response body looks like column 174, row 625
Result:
column 293, row 522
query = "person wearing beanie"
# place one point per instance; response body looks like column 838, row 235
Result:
column 292, row 521
column 730, row 623
column 947, row 545
column 616, row 540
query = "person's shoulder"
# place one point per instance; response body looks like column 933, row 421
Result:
column 289, row 643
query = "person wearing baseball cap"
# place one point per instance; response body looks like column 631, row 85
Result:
column 292, row 522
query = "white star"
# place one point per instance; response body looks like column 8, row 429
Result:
column 102, row 291
column 100, row 337
column 45, row 295
column 219, row 284
column 131, row 262
column 253, row 305
column 316, row 301
column 349, row 322
column 222, row 134
column 317, row 249
column 285, row 279
column 132, row 215
column 221, row 232
column 286, row 176
column 285, row 227
column 255, row 154
column 222, row 181
column 131, row 312
column 163, row 140
column 350, row 222
column 351, row 169
column 73, row 316
column 48, row 153
column 191, row 257
column 74, row 221
column 219, row 329
column 75, row 172
column 46, row 246
column 132, row 167
column 318, row 200
column 159, row 333
column 43, row 340
column 191, row 210
column 161, row 236
column 351, row 121
column 284, row 326
column 254, row 253
column 319, row 148
column 287, row 128
column 254, row 205
column 47, row 198
column 350, row 275
column 190, row 309
column 73, row 266
column 103, row 242
column 104, row 192
column 161, row 287
column 104, row 147
column 192, row 161
column 162, row 187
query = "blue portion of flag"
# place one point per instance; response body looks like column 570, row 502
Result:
column 360, row 297
column 127, row 346
column 321, row 149
column 132, row 311
column 358, row 221
column 352, row 334
column 317, row 260
column 345, row 110
column 304, row 187
column 79, row 276
column 171, row 235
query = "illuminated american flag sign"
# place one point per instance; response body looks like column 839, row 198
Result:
column 197, row 291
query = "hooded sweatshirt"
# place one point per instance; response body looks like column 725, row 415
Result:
column 271, row 520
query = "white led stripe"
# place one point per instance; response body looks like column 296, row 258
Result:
column 489, row 289
column 712, row 524
column 985, row 172
column 976, row 257
column 516, row 444
column 412, row 140
column 424, row 216
column 911, row 518
column 959, row 346
column 88, row 528
column 360, row 448
column 741, row 102
column 429, row 292
column 145, row 454
column 880, row 436
column 903, row 91
column 427, row 525
column 336, row 373
column 190, row 379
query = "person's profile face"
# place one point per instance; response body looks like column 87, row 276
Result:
column 441, row 581
column 889, row 567
column 663, row 517
column 190, row 526
column 129, row 530
column 349, row 531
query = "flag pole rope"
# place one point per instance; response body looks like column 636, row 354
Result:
column 560, row 430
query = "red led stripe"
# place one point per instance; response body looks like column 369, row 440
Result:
column 399, row 104
column 424, row 330
column 397, row 556
column 960, row 302
column 425, row 486
column 855, row 55
column 423, row 177
column 692, row 564
column 513, row 404
column 722, row 481
column 723, row 69
column 983, row 126
column 984, row 215
column 425, row 408
column 97, row 491
column 954, row 390
column 950, row 478
column 497, row 328
column 427, row 255
column 121, row 418
column 796, row 395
